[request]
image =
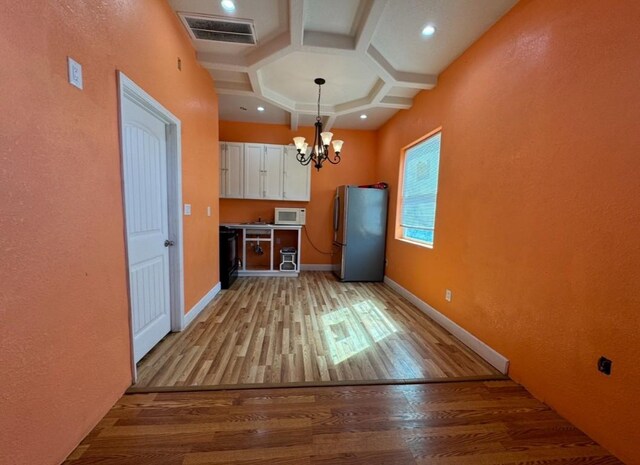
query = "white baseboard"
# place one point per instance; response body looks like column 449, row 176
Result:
column 201, row 305
column 499, row 361
column 316, row 267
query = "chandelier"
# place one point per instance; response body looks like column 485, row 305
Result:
column 321, row 140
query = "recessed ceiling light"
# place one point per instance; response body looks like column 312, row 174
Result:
column 260, row 108
column 363, row 116
column 228, row 6
column 428, row 30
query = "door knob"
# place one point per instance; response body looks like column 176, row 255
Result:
column 168, row 243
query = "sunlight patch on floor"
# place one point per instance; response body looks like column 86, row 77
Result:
column 350, row 330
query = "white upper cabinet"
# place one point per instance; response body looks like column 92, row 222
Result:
column 262, row 171
column 253, row 168
column 231, row 170
column 272, row 174
column 297, row 178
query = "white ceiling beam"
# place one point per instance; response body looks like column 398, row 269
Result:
column 385, row 70
column 296, row 22
column 293, row 120
column 353, row 105
column 400, row 103
column 269, row 52
column 374, row 95
column 368, row 24
column 326, row 40
column 234, row 88
column 416, row 80
column 312, row 108
column 328, row 122
column 379, row 90
column 400, row 78
column 278, row 99
column 256, row 83
column 224, row 62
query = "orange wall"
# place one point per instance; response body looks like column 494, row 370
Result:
column 539, row 205
column 64, row 330
column 357, row 167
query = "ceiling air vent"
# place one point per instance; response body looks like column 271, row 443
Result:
column 219, row 29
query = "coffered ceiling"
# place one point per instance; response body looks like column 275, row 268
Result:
column 371, row 53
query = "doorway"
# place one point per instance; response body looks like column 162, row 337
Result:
column 151, row 186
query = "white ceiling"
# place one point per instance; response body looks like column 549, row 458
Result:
column 371, row 52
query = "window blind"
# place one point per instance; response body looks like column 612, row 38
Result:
column 420, row 188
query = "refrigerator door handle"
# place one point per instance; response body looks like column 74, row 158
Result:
column 336, row 215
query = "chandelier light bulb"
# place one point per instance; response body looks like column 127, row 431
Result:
column 299, row 141
column 326, row 138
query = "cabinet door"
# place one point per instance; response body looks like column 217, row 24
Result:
column 223, row 170
column 253, row 157
column 272, row 174
column 234, row 170
column 297, row 178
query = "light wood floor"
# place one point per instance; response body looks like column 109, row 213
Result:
column 310, row 329
column 472, row 423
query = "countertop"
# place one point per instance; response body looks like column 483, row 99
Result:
column 261, row 226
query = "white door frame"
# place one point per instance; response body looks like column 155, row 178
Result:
column 127, row 89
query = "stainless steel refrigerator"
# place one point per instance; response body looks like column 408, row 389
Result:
column 359, row 233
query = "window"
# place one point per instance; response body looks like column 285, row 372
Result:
column 419, row 191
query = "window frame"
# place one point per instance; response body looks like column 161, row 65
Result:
column 399, row 230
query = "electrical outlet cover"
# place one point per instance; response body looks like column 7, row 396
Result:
column 75, row 73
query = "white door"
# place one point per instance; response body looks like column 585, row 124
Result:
column 145, row 186
column 253, row 155
column 297, row 177
column 272, row 174
column 235, row 170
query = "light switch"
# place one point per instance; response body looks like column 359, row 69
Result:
column 75, row 73
column 209, row 211
column 187, row 209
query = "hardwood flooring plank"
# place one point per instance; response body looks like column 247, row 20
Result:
column 308, row 329
column 459, row 423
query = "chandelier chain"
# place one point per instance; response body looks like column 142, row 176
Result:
column 319, row 92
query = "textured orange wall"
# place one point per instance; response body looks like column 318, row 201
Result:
column 357, row 167
column 538, row 212
column 64, row 330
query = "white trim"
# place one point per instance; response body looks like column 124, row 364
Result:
column 127, row 89
column 316, row 267
column 500, row 362
column 201, row 305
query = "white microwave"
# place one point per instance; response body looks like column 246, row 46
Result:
column 290, row 216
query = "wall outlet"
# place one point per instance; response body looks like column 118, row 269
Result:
column 604, row 365
column 187, row 209
column 209, row 211
column 447, row 295
column 75, row 73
